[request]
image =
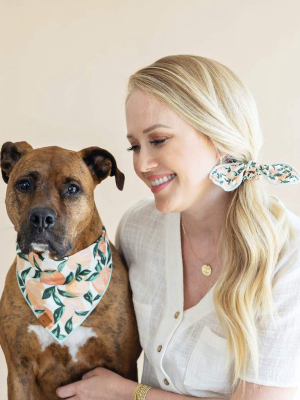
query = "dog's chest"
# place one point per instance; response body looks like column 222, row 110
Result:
column 76, row 340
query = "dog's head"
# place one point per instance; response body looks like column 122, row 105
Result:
column 50, row 192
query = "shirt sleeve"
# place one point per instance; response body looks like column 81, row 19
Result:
column 279, row 340
column 121, row 236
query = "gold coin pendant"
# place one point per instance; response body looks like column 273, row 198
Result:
column 206, row 270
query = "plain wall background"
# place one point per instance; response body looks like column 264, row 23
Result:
column 64, row 67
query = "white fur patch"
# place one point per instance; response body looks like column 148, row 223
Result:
column 76, row 340
column 39, row 246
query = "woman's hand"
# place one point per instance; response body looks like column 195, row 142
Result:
column 98, row 384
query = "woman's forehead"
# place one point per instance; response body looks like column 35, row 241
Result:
column 144, row 110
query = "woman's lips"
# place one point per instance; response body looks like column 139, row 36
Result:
column 159, row 188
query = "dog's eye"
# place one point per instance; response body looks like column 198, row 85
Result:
column 73, row 189
column 24, row 185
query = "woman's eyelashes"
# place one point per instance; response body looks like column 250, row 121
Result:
column 154, row 142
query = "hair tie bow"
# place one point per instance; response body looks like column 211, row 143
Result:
column 230, row 176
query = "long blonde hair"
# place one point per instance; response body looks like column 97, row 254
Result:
column 211, row 98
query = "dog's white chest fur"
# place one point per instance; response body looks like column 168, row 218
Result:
column 77, row 339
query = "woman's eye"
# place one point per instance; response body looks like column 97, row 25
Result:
column 24, row 185
column 134, row 148
column 155, row 142
column 73, row 189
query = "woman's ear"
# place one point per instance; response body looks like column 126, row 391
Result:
column 10, row 155
column 102, row 164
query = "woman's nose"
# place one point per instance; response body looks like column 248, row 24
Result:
column 145, row 161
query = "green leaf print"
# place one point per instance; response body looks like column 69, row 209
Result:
column 21, row 255
column 65, row 294
column 78, row 278
column 102, row 256
column 97, row 297
column 48, row 292
column 58, row 313
column 61, row 266
column 109, row 255
column 38, row 274
column 49, row 271
column 21, row 283
column 81, row 313
column 39, row 311
column 95, row 249
column 57, row 300
column 92, row 277
column 56, row 331
column 27, row 298
column 78, row 269
column 84, row 272
column 36, row 264
column 98, row 267
column 69, row 278
column 89, row 297
column 69, row 325
column 61, row 337
column 41, row 257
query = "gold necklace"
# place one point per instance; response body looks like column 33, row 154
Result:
column 206, row 269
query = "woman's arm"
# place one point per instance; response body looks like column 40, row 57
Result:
column 262, row 392
column 102, row 384
column 252, row 392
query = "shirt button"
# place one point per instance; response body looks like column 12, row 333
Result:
column 166, row 382
column 159, row 348
column 176, row 314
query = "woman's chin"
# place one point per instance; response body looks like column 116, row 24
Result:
column 165, row 206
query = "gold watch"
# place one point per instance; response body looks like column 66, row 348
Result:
column 140, row 392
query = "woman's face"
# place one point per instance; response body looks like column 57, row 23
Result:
column 166, row 146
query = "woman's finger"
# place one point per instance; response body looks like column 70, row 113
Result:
column 67, row 391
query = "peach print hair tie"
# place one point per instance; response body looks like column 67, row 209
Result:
column 62, row 293
column 230, row 176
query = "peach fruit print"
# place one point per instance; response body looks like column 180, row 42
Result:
column 62, row 293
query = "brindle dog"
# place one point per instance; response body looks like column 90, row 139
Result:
column 59, row 183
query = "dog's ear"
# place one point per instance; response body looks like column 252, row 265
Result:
column 10, row 155
column 102, row 164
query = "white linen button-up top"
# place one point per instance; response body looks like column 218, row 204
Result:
column 185, row 351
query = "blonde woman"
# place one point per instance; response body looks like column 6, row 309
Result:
column 214, row 261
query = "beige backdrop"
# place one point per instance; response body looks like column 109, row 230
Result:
column 64, row 67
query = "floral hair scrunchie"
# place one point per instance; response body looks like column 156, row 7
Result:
column 230, row 176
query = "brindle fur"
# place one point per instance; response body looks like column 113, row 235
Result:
column 33, row 373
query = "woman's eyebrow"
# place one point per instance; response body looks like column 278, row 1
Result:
column 149, row 129
column 154, row 127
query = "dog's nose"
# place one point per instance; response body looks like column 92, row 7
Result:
column 42, row 218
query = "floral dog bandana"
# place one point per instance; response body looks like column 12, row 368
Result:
column 230, row 176
column 62, row 293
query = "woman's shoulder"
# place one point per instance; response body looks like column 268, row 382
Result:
column 294, row 238
column 289, row 259
column 141, row 216
column 143, row 209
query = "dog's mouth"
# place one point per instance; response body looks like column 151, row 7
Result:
column 55, row 244
column 39, row 247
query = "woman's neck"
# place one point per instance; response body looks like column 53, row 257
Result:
column 204, row 221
